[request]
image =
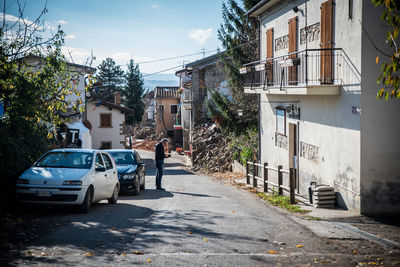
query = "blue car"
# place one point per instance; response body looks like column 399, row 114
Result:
column 131, row 170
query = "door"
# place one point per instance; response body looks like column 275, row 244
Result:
column 293, row 150
column 100, row 180
column 326, row 42
column 110, row 175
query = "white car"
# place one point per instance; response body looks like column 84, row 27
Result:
column 70, row 177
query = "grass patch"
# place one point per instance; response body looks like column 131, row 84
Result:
column 282, row 202
column 312, row 218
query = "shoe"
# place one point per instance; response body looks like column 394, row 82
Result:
column 160, row 189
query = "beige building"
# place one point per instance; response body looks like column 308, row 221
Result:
column 316, row 81
column 166, row 106
column 108, row 123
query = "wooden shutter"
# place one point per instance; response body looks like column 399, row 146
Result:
column 293, row 48
column 105, row 120
column 269, row 73
column 326, row 42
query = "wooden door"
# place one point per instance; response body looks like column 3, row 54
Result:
column 293, row 48
column 326, row 42
column 269, row 70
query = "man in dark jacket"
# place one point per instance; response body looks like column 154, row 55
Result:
column 160, row 155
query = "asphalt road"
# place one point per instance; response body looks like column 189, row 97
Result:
column 197, row 221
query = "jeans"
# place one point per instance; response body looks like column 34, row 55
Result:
column 159, row 172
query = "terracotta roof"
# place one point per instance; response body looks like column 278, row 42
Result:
column 166, row 92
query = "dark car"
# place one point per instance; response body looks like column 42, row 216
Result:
column 131, row 170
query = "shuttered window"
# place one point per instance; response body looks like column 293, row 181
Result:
column 293, row 48
column 105, row 120
column 269, row 74
column 326, row 42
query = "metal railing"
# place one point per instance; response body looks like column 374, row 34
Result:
column 303, row 68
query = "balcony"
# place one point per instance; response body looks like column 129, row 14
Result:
column 307, row 72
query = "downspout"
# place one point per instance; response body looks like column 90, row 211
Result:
column 259, row 95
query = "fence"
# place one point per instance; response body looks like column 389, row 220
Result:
column 253, row 174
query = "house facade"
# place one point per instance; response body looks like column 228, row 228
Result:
column 108, row 123
column 166, row 104
column 319, row 114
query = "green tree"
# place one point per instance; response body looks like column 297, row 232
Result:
column 390, row 70
column 238, row 117
column 110, row 76
column 133, row 92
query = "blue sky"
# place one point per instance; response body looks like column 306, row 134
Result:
column 140, row 29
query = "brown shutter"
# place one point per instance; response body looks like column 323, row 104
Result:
column 105, row 120
column 326, row 42
column 269, row 73
column 293, row 48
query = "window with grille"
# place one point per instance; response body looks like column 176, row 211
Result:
column 174, row 109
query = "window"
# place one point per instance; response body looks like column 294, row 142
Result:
column 161, row 109
column 107, row 161
column 99, row 161
column 105, row 145
column 174, row 109
column 105, row 120
column 281, row 120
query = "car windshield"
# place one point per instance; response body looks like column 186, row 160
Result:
column 63, row 159
column 123, row 158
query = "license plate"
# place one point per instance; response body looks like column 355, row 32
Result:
column 43, row 193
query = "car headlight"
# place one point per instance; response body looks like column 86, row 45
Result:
column 72, row 182
column 128, row 176
column 22, row 181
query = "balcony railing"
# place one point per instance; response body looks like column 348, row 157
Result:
column 312, row 67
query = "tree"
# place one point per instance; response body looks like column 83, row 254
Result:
column 110, row 76
column 133, row 92
column 390, row 70
column 34, row 97
column 238, row 34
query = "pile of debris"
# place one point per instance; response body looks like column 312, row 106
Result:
column 143, row 133
column 211, row 151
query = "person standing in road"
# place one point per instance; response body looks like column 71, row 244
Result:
column 160, row 155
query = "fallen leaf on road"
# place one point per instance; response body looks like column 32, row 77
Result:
column 137, row 252
column 233, row 211
column 205, row 239
column 90, row 254
column 272, row 252
column 148, row 260
column 124, row 254
column 299, row 246
column 354, row 251
column 112, row 228
column 190, row 233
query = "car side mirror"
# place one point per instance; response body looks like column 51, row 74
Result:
column 100, row 169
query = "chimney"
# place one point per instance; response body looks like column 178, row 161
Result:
column 117, row 98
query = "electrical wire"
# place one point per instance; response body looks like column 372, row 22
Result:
column 179, row 66
column 169, row 58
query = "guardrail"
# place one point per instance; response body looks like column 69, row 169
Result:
column 253, row 174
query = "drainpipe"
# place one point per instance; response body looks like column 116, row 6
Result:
column 259, row 95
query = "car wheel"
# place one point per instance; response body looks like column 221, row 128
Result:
column 113, row 199
column 87, row 202
column 137, row 187
column 143, row 186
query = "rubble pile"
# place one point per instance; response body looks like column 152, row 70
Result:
column 143, row 133
column 211, row 151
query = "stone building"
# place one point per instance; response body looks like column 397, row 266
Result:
column 195, row 79
column 166, row 109
column 319, row 113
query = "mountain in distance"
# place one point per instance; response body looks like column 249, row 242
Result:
column 161, row 79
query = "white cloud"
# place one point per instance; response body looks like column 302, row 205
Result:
column 154, row 6
column 62, row 22
column 70, row 37
column 10, row 20
column 200, row 35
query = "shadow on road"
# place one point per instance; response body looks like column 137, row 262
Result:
column 148, row 194
column 191, row 194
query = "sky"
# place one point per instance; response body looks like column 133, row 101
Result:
column 144, row 30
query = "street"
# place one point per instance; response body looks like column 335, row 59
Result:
column 197, row 221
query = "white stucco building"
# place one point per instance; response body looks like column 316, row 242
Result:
column 319, row 113
column 108, row 123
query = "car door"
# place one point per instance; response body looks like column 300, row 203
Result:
column 110, row 174
column 141, row 167
column 100, row 179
